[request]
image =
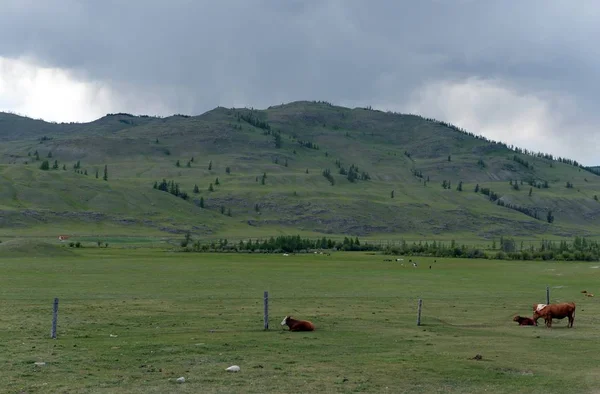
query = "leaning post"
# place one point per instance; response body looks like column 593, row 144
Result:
column 266, row 313
column 547, row 295
column 419, row 312
column 54, row 319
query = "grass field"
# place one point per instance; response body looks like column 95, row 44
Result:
column 132, row 321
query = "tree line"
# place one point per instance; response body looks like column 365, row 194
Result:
column 580, row 249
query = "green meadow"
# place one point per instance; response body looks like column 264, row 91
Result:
column 135, row 320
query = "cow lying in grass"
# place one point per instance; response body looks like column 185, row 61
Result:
column 554, row 311
column 524, row 321
column 297, row 325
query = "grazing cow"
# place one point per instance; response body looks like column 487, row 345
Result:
column 297, row 325
column 554, row 311
column 524, row 321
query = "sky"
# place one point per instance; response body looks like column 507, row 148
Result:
column 526, row 73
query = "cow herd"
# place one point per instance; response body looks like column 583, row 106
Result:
column 549, row 312
column 545, row 311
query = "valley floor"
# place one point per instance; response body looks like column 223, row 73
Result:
column 133, row 321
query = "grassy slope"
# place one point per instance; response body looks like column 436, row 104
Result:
column 291, row 201
column 193, row 315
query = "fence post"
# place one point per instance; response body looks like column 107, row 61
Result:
column 266, row 317
column 54, row 319
column 547, row 294
column 419, row 312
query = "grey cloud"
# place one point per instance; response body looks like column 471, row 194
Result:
column 195, row 55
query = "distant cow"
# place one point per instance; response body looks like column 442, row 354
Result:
column 297, row 325
column 554, row 311
column 524, row 321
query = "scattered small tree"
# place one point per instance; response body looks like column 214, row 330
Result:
column 45, row 165
column 550, row 217
column 227, row 170
column 186, row 239
column 177, row 164
column 477, row 188
column 96, row 173
column 459, row 187
column 189, row 164
column 201, row 202
column 210, row 165
column 530, row 191
column 55, row 166
column 210, row 188
column 196, row 189
column 105, row 177
column 217, row 182
column 229, row 212
column 392, row 195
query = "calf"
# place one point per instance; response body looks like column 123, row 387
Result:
column 524, row 321
column 554, row 311
column 297, row 325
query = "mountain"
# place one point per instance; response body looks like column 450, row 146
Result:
column 307, row 168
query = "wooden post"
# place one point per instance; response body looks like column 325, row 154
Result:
column 419, row 312
column 547, row 295
column 54, row 319
column 266, row 317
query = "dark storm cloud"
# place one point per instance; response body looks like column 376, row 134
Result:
column 194, row 55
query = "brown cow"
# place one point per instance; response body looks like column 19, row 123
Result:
column 297, row 325
column 524, row 321
column 554, row 311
